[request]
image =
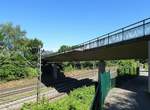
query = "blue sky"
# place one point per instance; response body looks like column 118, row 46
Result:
column 70, row 22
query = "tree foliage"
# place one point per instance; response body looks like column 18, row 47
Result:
column 64, row 48
column 127, row 67
column 14, row 66
column 11, row 34
column 18, row 58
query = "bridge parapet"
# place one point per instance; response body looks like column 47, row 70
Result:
column 137, row 30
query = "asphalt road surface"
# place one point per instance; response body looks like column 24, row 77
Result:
column 132, row 95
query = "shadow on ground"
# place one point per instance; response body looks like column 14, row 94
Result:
column 62, row 83
column 130, row 95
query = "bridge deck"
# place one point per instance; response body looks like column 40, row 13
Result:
column 130, row 42
column 136, row 49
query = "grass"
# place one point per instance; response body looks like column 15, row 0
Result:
column 79, row 99
column 18, row 83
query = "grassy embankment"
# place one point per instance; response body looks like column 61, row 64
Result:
column 79, row 99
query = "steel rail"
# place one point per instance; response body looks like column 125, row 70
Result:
column 22, row 92
column 34, row 86
column 68, row 86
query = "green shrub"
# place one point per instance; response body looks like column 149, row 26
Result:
column 13, row 66
column 68, row 68
column 10, row 72
column 127, row 67
column 87, row 64
column 79, row 99
column 31, row 72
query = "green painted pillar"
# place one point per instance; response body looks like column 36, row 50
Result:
column 101, row 70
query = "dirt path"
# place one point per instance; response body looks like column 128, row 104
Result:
column 130, row 96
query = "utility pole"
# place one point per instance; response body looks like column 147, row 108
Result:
column 39, row 74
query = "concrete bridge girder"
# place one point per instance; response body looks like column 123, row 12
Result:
column 132, row 49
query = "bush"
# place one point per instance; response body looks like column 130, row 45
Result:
column 87, row 64
column 10, row 72
column 13, row 66
column 79, row 99
column 68, row 68
column 31, row 72
column 127, row 67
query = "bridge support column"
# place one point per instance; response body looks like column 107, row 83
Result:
column 149, row 66
column 54, row 71
column 96, row 105
column 101, row 68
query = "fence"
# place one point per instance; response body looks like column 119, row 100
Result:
column 105, row 85
column 102, row 89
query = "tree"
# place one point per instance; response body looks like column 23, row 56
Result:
column 64, row 48
column 33, row 47
column 19, row 56
column 11, row 34
column 1, row 37
column 35, row 43
column 14, row 66
column 1, row 41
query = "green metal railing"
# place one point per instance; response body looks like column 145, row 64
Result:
column 103, row 87
column 135, row 30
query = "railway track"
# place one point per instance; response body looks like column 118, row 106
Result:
column 7, row 100
column 34, row 85
column 30, row 88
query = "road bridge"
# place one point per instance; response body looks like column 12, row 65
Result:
column 130, row 42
